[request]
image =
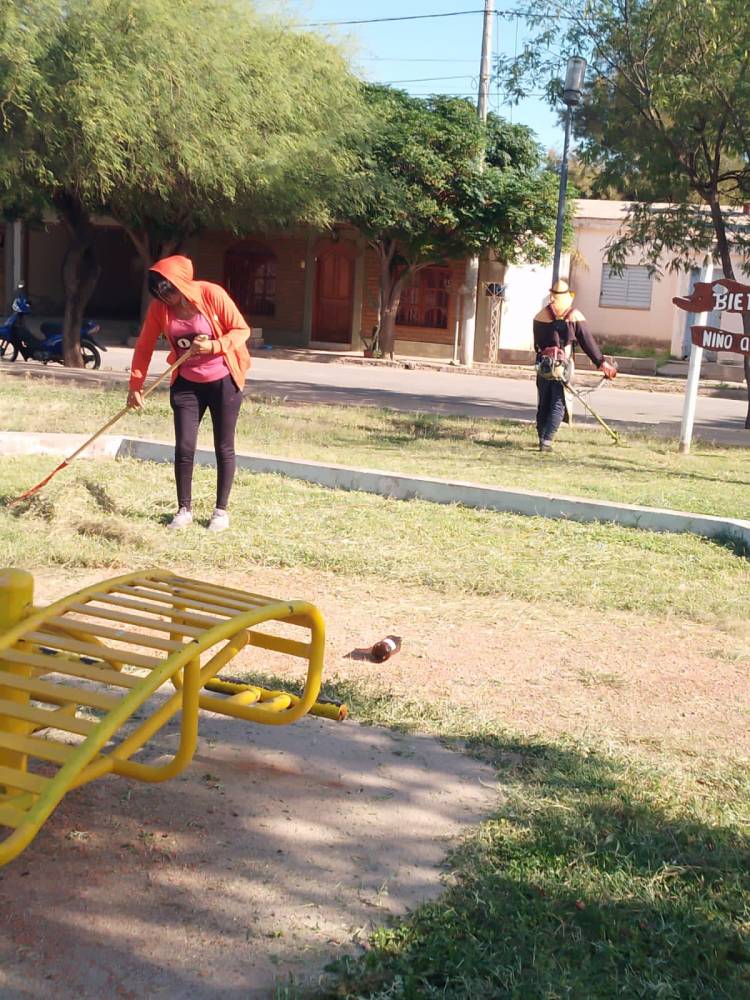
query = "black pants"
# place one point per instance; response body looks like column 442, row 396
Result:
column 189, row 401
column 550, row 407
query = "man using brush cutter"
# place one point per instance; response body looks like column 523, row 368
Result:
column 557, row 329
column 204, row 326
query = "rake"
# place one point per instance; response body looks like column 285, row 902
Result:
column 120, row 413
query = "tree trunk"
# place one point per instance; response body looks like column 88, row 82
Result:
column 391, row 287
column 150, row 249
column 390, row 311
column 388, row 330
column 80, row 274
column 385, row 250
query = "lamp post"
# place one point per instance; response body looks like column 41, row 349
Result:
column 571, row 96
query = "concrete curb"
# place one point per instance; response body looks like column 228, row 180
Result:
column 34, row 443
column 401, row 487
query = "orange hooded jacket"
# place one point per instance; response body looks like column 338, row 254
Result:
column 211, row 301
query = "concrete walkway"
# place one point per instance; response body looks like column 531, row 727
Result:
column 275, row 850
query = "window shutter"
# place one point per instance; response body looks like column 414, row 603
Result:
column 629, row 290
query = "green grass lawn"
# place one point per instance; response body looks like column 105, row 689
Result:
column 660, row 355
column 112, row 514
column 640, row 471
column 599, row 876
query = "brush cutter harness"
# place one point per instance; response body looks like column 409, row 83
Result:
column 554, row 364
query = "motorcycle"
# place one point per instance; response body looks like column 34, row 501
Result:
column 16, row 338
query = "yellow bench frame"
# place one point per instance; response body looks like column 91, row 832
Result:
column 82, row 654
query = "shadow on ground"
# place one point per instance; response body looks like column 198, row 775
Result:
column 276, row 848
column 591, row 883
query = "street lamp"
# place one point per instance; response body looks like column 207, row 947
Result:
column 571, row 96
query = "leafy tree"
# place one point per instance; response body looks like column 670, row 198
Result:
column 263, row 142
column 170, row 115
column 421, row 195
column 666, row 116
column 585, row 179
column 21, row 45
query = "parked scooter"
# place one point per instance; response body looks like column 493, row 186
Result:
column 16, row 338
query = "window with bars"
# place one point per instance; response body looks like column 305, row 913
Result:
column 631, row 289
column 425, row 302
column 250, row 278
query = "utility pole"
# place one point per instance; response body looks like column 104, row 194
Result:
column 484, row 69
column 471, row 279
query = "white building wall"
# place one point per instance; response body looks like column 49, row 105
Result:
column 663, row 324
column 526, row 291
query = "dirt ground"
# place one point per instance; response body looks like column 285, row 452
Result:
column 277, row 849
column 610, row 677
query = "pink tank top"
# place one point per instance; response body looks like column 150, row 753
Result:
column 203, row 367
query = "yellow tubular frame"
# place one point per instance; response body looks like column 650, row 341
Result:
column 87, row 760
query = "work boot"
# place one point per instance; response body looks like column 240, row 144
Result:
column 219, row 520
column 182, row 518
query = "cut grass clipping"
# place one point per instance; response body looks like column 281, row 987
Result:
column 113, row 514
column 643, row 470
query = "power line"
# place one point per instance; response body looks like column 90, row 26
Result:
column 427, row 17
column 412, row 59
column 380, row 20
column 454, row 93
column 428, row 79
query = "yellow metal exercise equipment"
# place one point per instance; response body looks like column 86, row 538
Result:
column 73, row 674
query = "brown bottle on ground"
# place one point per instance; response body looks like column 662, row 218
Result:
column 384, row 649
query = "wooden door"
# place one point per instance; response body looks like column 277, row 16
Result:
column 334, row 294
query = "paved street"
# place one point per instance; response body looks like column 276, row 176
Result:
column 717, row 419
column 486, row 396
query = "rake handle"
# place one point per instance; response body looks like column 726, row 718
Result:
column 125, row 409
column 120, row 413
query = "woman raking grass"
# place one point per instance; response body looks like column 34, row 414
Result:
column 199, row 319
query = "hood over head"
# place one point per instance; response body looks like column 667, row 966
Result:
column 179, row 270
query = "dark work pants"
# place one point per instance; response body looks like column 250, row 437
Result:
column 189, row 401
column 550, row 407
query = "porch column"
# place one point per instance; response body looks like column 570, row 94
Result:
column 359, row 294
column 13, row 258
column 307, row 313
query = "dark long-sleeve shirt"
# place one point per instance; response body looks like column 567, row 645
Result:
column 551, row 332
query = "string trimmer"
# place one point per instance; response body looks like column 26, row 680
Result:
column 578, row 395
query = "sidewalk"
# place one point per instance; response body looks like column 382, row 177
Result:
column 115, row 366
column 720, row 380
column 671, row 381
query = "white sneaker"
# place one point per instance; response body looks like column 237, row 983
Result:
column 182, row 518
column 219, row 521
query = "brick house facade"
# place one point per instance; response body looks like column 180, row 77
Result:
column 300, row 288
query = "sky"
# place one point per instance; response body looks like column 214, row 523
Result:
column 432, row 56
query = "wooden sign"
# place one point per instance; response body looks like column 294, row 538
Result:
column 722, row 295
column 714, row 339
